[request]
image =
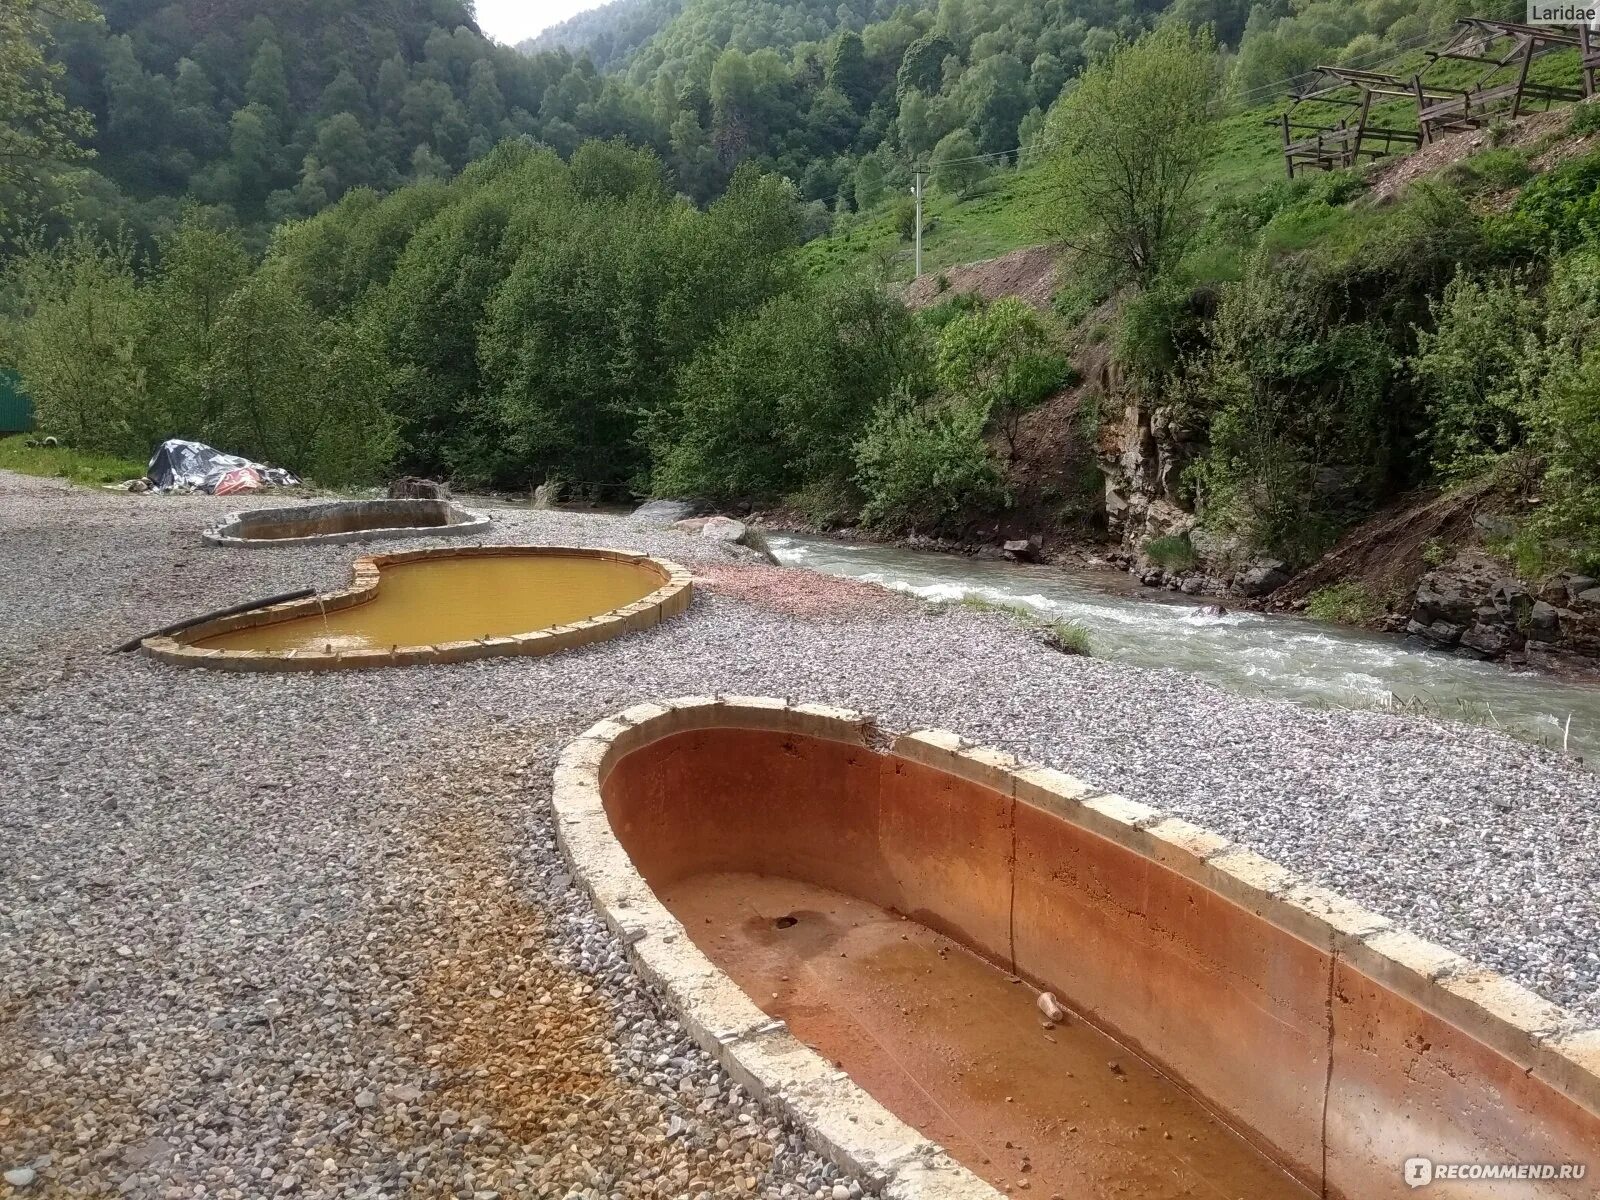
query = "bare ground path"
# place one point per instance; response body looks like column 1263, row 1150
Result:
column 279, row 934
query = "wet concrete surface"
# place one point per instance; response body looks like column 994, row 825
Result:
column 959, row 1049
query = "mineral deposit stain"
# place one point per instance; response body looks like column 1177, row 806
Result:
column 453, row 599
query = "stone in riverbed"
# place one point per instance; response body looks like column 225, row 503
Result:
column 666, row 512
column 723, row 529
column 1264, row 577
column 1544, row 622
column 1440, row 633
column 1490, row 641
column 20, row 1177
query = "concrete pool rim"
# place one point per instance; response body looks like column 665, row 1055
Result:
column 667, row 600
column 233, row 530
column 1539, row 1039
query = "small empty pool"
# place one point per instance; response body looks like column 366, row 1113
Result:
column 444, row 605
column 347, row 521
column 900, row 904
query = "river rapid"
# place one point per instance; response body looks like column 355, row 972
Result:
column 1272, row 655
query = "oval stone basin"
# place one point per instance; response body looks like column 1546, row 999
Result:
column 444, row 605
column 346, row 521
column 860, row 928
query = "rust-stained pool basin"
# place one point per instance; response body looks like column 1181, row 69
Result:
column 443, row 606
column 858, row 926
column 346, row 521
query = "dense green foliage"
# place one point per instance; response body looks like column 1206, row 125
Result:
column 356, row 239
column 777, row 402
column 526, row 321
column 1325, row 354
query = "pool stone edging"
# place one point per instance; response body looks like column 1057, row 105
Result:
column 837, row 1116
column 670, row 599
column 227, row 532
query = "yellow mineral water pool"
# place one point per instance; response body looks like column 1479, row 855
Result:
column 444, row 606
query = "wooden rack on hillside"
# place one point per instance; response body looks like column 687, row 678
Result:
column 1352, row 137
column 1504, row 86
column 1506, row 50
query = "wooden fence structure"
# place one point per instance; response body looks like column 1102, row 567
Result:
column 1505, row 52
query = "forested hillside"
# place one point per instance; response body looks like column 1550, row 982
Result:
column 511, row 269
column 273, row 111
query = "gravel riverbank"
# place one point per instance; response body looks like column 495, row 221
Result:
column 283, row 934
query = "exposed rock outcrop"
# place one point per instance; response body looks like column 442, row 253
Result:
column 1472, row 606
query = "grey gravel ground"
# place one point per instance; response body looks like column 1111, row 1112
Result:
column 280, row 934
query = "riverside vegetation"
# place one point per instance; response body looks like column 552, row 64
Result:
column 603, row 314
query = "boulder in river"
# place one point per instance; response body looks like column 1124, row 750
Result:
column 1268, row 575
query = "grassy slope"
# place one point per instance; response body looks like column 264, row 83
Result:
column 60, row 462
column 1014, row 214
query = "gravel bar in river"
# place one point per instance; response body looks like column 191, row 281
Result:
column 309, row 935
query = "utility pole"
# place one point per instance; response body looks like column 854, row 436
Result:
column 916, row 190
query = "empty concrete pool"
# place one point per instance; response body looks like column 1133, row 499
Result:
column 346, row 521
column 444, row 605
column 834, row 911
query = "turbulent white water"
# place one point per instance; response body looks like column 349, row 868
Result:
column 1283, row 656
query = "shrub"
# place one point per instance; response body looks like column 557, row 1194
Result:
column 1068, row 637
column 955, row 162
column 1585, row 120
column 1347, row 603
column 1172, row 553
column 1295, row 393
column 77, row 345
column 1147, row 330
column 1491, row 170
column 1000, row 358
column 1470, row 371
column 1434, row 553
column 824, row 503
column 1561, row 208
column 921, row 466
column 904, row 210
column 1564, row 411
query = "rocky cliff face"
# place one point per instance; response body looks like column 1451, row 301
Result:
column 1142, row 456
column 1144, row 449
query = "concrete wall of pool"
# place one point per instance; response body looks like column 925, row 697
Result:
column 1232, row 1030
column 346, row 521
column 444, row 605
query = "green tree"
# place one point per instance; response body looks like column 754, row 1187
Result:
column 268, row 84
column 202, row 264
column 922, row 67
column 38, row 127
column 1131, row 139
column 778, row 399
column 956, row 163
column 76, row 343
column 848, row 73
column 300, row 392
column 868, row 184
